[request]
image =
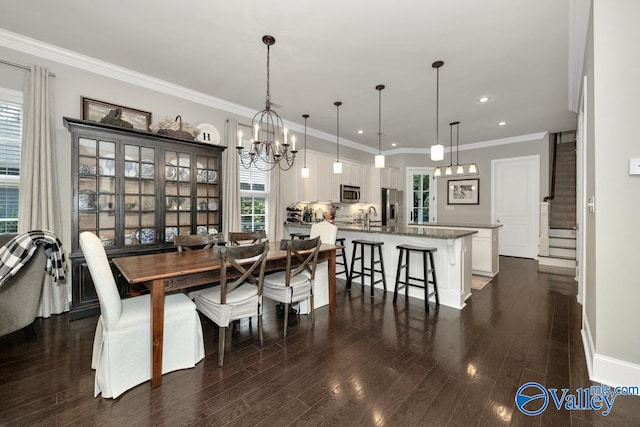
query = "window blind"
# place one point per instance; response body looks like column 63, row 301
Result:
column 10, row 140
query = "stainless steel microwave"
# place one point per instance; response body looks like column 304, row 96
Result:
column 349, row 194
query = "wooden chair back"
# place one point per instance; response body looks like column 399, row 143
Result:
column 188, row 242
column 246, row 237
column 243, row 261
column 302, row 255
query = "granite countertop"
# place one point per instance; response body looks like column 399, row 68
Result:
column 446, row 224
column 432, row 232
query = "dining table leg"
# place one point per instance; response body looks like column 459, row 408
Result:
column 332, row 280
column 157, row 331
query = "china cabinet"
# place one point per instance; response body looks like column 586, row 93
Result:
column 136, row 191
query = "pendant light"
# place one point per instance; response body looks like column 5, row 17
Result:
column 437, row 150
column 448, row 171
column 472, row 168
column 337, row 166
column 379, row 159
column 459, row 168
column 305, row 170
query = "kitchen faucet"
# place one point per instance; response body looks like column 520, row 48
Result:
column 375, row 213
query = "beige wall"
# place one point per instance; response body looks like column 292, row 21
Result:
column 617, row 231
column 480, row 213
column 589, row 232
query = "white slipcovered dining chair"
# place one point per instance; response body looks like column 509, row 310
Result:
column 293, row 284
column 122, row 343
column 234, row 299
column 328, row 233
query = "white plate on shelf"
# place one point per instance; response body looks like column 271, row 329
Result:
column 201, row 230
column 208, row 134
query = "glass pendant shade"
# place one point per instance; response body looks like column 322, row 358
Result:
column 337, row 167
column 437, row 172
column 459, row 170
column 379, row 162
column 447, row 171
column 437, row 152
column 473, row 168
column 304, row 172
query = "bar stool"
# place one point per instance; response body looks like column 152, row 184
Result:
column 300, row 236
column 340, row 241
column 367, row 271
column 405, row 250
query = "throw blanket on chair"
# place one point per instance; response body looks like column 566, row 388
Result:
column 19, row 250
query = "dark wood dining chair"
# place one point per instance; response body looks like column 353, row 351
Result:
column 239, row 295
column 246, row 237
column 296, row 282
column 197, row 241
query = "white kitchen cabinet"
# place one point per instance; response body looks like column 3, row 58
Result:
column 485, row 259
column 389, row 178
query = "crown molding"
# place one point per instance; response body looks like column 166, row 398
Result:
column 67, row 57
column 474, row 145
column 48, row 51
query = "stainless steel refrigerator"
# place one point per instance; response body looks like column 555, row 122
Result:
column 392, row 207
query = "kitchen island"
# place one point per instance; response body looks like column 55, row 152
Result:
column 452, row 260
column 485, row 259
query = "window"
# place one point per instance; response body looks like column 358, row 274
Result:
column 254, row 187
column 423, row 186
column 10, row 139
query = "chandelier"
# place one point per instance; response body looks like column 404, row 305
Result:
column 270, row 143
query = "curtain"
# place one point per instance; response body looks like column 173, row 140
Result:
column 38, row 200
column 231, row 181
column 275, row 228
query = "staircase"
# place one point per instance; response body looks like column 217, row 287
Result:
column 561, row 257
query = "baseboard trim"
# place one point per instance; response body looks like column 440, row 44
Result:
column 604, row 369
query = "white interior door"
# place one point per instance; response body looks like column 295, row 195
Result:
column 515, row 197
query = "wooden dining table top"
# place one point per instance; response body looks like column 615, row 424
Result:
column 145, row 268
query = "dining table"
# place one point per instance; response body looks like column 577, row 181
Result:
column 167, row 272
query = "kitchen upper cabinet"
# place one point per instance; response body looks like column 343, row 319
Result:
column 389, row 178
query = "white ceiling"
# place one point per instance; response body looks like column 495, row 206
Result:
column 513, row 51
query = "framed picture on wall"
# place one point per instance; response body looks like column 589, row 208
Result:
column 463, row 192
column 94, row 110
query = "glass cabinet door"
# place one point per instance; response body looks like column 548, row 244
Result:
column 97, row 189
column 207, row 194
column 177, row 176
column 139, row 195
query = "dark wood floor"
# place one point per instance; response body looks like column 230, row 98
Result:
column 369, row 363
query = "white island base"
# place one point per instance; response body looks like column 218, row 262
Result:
column 452, row 260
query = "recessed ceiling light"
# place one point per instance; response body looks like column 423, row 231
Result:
column 393, row 144
column 360, row 131
column 503, row 123
column 483, row 100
